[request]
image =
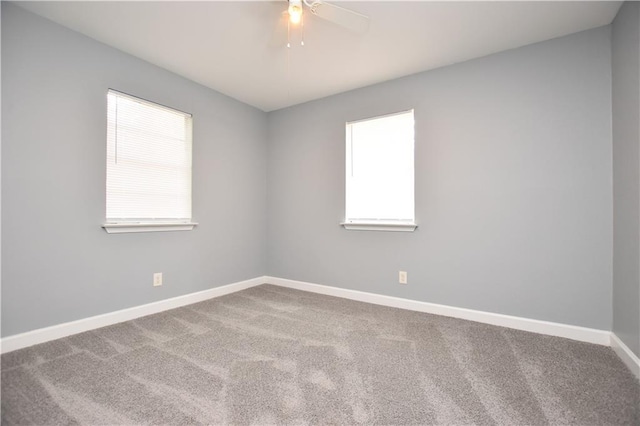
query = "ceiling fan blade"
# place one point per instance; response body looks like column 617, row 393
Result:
column 346, row 18
column 279, row 34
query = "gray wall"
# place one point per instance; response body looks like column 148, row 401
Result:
column 626, row 175
column 59, row 265
column 513, row 186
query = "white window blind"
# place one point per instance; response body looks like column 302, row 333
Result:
column 380, row 170
column 148, row 161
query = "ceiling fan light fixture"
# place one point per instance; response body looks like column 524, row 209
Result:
column 295, row 11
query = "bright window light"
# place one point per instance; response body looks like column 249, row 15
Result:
column 148, row 161
column 380, row 169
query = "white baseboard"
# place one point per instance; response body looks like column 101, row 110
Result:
column 583, row 334
column 41, row 335
column 626, row 355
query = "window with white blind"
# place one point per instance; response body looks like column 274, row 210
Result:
column 380, row 173
column 148, row 166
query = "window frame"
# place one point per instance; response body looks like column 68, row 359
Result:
column 394, row 225
column 117, row 226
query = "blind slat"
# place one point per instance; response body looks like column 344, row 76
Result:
column 148, row 160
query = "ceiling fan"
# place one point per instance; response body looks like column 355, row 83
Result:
column 341, row 16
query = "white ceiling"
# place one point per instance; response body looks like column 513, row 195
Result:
column 228, row 46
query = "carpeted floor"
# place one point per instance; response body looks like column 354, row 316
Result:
column 270, row 355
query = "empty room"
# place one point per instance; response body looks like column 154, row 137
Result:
column 309, row 212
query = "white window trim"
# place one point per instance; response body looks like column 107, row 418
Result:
column 129, row 227
column 119, row 226
column 393, row 225
column 380, row 226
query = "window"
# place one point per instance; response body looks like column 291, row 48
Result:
column 380, row 173
column 148, row 166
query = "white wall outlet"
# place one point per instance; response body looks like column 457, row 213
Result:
column 402, row 277
column 157, row 279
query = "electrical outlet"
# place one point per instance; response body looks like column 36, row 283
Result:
column 157, row 279
column 402, row 277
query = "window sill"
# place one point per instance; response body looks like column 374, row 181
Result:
column 380, row 226
column 121, row 228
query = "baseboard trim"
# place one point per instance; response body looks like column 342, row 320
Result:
column 583, row 334
column 600, row 337
column 41, row 335
column 626, row 355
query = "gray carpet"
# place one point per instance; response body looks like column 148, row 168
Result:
column 270, row 355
